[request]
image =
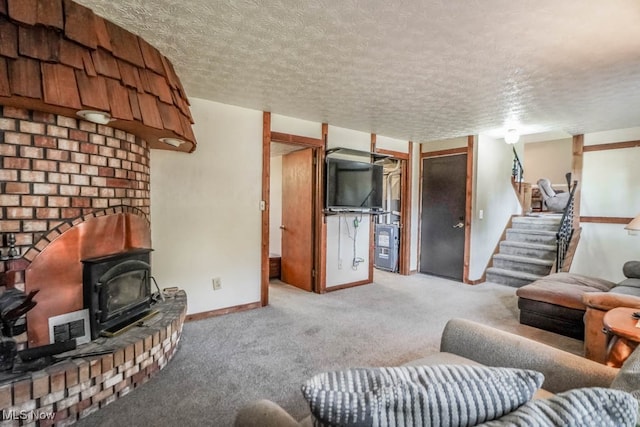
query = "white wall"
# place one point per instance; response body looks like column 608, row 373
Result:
column 494, row 195
column 275, row 206
column 295, row 126
column 444, row 144
column 603, row 250
column 609, row 189
column 393, row 144
column 205, row 216
column 415, row 208
column 548, row 159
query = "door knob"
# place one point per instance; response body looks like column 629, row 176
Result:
column 459, row 225
column 282, row 227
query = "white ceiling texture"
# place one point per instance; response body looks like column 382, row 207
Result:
column 419, row 70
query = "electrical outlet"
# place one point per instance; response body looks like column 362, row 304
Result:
column 217, row 283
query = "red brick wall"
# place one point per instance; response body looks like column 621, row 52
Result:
column 54, row 169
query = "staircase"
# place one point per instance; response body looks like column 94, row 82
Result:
column 528, row 251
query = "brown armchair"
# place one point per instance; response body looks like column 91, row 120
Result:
column 596, row 341
column 625, row 294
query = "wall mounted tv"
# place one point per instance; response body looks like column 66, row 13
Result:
column 353, row 185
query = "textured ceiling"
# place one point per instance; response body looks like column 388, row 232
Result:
column 419, row 70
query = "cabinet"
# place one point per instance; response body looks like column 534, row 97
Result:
column 274, row 266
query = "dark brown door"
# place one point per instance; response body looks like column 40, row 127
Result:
column 297, row 219
column 443, row 210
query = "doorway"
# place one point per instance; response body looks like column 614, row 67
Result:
column 395, row 224
column 388, row 225
column 444, row 206
column 301, row 231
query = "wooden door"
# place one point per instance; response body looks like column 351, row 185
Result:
column 443, row 216
column 297, row 219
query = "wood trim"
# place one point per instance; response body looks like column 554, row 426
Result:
column 348, row 285
column 321, row 224
column 288, row 138
column 468, row 215
column 222, row 311
column 419, row 201
column 395, row 154
column 612, row 146
column 405, row 214
column 606, row 219
column 479, row 281
column 372, row 223
column 266, row 188
column 372, row 243
column 577, row 162
column 571, row 250
column 448, row 152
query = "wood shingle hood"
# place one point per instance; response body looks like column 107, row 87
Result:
column 57, row 56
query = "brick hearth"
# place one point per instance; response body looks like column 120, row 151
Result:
column 77, row 387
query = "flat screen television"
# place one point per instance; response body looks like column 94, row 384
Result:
column 353, row 185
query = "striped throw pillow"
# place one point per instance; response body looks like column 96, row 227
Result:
column 597, row 407
column 441, row 395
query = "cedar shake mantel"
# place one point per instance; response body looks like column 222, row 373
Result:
column 58, row 57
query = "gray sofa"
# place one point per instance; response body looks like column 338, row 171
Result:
column 467, row 342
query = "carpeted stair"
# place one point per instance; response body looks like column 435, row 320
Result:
column 528, row 252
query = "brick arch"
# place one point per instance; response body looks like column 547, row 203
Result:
column 66, row 225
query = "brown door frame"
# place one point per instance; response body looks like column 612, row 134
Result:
column 319, row 228
column 468, row 150
column 406, row 166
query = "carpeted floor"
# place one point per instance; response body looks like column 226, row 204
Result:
column 225, row 362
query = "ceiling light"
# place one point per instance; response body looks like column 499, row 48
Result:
column 512, row 136
column 634, row 226
column 172, row 141
column 99, row 117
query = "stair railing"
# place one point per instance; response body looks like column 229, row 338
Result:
column 565, row 230
column 517, row 171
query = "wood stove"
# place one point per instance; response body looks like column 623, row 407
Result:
column 117, row 290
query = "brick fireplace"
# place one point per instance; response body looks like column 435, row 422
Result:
column 70, row 190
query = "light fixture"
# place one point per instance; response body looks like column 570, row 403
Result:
column 512, row 136
column 634, row 226
column 99, row 117
column 172, row 141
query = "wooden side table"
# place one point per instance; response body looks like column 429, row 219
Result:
column 625, row 335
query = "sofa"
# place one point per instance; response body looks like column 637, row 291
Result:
column 554, row 302
column 465, row 342
column 574, row 305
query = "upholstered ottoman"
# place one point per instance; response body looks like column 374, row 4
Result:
column 554, row 303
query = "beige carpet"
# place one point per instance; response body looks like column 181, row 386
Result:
column 227, row 361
